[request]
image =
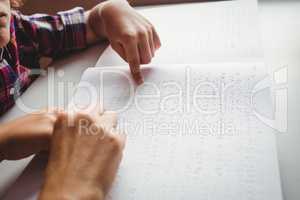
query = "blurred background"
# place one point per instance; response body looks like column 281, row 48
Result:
column 52, row 6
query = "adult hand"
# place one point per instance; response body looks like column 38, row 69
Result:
column 27, row 135
column 84, row 156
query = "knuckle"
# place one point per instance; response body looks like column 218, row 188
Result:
column 129, row 35
column 150, row 27
column 82, row 118
column 115, row 143
column 150, row 32
column 153, row 29
column 59, row 112
column 101, row 130
column 142, row 33
column 61, row 115
column 61, row 120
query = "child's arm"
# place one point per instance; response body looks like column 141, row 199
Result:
column 131, row 35
column 49, row 36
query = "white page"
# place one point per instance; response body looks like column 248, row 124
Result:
column 167, row 156
column 185, row 161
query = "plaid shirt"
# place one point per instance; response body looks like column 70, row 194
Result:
column 35, row 41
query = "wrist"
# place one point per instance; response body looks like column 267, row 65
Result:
column 52, row 190
column 96, row 17
column 52, row 195
column 94, row 24
column 111, row 5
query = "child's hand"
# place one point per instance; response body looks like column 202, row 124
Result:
column 84, row 156
column 130, row 34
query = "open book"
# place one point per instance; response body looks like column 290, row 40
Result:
column 193, row 132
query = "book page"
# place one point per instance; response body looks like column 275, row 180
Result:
column 192, row 133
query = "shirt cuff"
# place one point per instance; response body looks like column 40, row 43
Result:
column 75, row 28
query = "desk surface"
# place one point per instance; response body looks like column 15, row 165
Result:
column 281, row 43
